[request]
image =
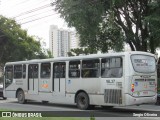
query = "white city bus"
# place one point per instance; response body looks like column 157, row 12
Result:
column 114, row 79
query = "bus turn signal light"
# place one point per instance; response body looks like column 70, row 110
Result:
column 132, row 88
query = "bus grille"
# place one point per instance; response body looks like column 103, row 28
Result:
column 113, row 96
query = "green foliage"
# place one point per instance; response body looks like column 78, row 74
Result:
column 15, row 44
column 85, row 16
column 92, row 117
column 110, row 37
column 78, row 51
column 108, row 24
column 42, row 118
column 153, row 19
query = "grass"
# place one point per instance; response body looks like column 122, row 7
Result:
column 5, row 110
column 45, row 118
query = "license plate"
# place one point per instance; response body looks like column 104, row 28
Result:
column 145, row 92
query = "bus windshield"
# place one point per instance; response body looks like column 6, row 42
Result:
column 143, row 63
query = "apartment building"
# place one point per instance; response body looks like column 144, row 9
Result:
column 61, row 41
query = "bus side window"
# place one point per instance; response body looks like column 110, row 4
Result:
column 59, row 70
column 90, row 68
column 111, row 67
column 74, row 69
column 36, row 71
column 45, row 70
column 30, row 71
column 18, row 71
column 24, row 71
column 8, row 75
column 33, row 71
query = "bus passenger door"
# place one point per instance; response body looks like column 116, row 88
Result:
column 59, row 80
column 33, row 73
column 45, row 82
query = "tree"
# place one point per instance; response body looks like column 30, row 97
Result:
column 153, row 20
column 107, row 24
column 78, row 51
column 15, row 44
column 85, row 17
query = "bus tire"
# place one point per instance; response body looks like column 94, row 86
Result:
column 4, row 98
column 21, row 97
column 82, row 101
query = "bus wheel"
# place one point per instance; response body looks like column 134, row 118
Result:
column 4, row 98
column 82, row 101
column 21, row 97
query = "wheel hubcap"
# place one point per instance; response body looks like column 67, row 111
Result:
column 82, row 101
column 20, row 97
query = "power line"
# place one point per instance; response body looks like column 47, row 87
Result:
column 30, row 4
column 35, row 15
column 37, row 19
column 33, row 10
column 20, row 3
column 25, row 2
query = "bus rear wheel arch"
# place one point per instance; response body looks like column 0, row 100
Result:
column 20, row 96
column 82, row 101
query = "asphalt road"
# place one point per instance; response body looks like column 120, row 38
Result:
column 71, row 110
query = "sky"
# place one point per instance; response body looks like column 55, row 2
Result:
column 28, row 14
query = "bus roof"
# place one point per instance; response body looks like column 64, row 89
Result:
column 81, row 57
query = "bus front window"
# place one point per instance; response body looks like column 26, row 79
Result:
column 143, row 63
column 8, row 75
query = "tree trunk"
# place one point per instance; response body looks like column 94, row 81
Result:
column 131, row 46
column 152, row 47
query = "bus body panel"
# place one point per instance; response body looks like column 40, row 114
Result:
column 141, row 87
column 130, row 100
column 43, row 96
column 45, row 85
column 112, row 89
column 9, row 93
column 144, row 86
column 74, row 85
column 59, row 87
column 106, row 91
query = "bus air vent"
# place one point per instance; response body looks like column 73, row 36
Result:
column 113, row 96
